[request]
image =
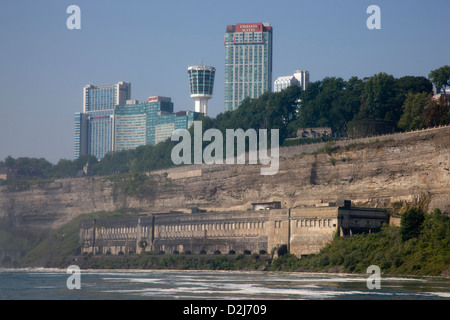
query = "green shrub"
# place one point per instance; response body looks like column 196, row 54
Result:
column 333, row 161
column 411, row 223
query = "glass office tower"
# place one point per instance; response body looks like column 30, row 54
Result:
column 148, row 123
column 248, row 62
column 105, row 97
column 98, row 116
column 81, row 130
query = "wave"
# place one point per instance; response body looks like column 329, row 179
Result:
column 195, row 284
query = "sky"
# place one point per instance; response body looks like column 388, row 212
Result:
column 44, row 65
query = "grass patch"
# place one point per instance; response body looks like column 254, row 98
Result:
column 303, row 141
column 137, row 185
column 58, row 249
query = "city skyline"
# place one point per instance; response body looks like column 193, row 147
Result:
column 45, row 66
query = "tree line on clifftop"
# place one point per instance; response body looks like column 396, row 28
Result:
column 332, row 102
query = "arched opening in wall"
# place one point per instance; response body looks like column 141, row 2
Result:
column 216, row 252
column 202, row 251
column 282, row 250
column 176, row 252
column 247, row 251
column 262, row 252
column 231, row 252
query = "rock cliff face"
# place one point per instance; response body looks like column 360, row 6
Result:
column 377, row 172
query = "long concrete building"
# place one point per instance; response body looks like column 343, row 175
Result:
column 302, row 231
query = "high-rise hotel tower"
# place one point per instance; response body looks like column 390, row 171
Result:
column 248, row 62
column 94, row 127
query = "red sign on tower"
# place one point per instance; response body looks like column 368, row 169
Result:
column 249, row 27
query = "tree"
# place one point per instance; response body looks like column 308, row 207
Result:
column 10, row 162
column 33, row 167
column 272, row 110
column 411, row 223
column 331, row 102
column 436, row 113
column 440, row 78
column 347, row 105
column 413, row 84
column 64, row 168
column 379, row 99
column 413, row 111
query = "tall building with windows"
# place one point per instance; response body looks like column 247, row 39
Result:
column 105, row 97
column 248, row 62
column 80, row 135
column 303, row 78
column 150, row 122
column 94, row 127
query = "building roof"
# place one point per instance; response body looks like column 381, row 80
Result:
column 249, row 27
column 284, row 78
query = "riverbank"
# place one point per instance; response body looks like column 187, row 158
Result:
column 154, row 261
column 246, row 263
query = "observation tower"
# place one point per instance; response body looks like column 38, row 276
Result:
column 201, row 80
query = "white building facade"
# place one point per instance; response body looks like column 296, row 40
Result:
column 300, row 78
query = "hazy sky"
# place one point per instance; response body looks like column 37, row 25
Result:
column 44, row 65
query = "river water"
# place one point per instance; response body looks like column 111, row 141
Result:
column 51, row 284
